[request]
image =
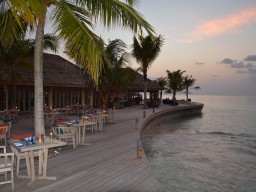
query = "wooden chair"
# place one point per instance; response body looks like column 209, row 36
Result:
column 3, row 130
column 20, row 156
column 6, row 165
column 100, row 123
column 58, row 121
column 90, row 119
column 14, row 115
column 62, row 132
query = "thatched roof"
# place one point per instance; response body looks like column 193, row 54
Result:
column 59, row 72
column 138, row 83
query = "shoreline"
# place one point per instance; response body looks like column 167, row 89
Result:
column 112, row 153
column 175, row 111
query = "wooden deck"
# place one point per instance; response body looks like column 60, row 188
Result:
column 109, row 163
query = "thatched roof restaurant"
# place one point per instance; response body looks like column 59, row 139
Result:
column 64, row 84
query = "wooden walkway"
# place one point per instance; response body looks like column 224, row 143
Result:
column 109, row 163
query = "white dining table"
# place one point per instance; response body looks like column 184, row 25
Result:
column 49, row 118
column 80, row 128
column 43, row 156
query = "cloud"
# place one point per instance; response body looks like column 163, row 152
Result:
column 219, row 26
column 241, row 71
column 199, row 63
column 236, row 64
column 250, row 58
column 227, row 61
column 187, row 41
column 241, row 66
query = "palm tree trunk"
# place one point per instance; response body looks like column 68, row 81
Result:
column 174, row 96
column 14, row 98
column 91, row 97
column 145, row 94
column 187, row 93
column 38, row 79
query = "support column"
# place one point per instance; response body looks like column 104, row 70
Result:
column 50, row 94
column 83, row 97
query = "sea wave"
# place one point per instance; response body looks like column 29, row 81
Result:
column 225, row 134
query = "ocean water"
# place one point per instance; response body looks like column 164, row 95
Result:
column 211, row 151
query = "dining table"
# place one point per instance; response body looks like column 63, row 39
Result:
column 50, row 117
column 14, row 114
column 2, row 114
column 79, row 130
column 64, row 110
column 28, row 148
column 106, row 118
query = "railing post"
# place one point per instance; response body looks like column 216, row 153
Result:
column 136, row 123
column 139, row 149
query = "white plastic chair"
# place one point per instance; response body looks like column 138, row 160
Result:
column 6, row 165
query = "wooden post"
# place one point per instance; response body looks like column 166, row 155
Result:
column 136, row 123
column 139, row 149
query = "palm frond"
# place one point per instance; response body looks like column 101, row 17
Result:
column 114, row 13
column 51, row 42
column 28, row 10
column 9, row 29
column 82, row 44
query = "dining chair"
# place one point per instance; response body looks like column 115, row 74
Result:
column 63, row 132
column 58, row 121
column 20, row 156
column 4, row 127
column 6, row 165
column 90, row 119
column 20, row 136
column 100, row 123
column 14, row 115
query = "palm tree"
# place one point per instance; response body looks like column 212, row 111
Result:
column 74, row 23
column 174, row 82
column 113, row 77
column 188, row 82
column 162, row 82
column 145, row 51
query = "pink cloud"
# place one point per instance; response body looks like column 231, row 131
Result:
column 187, row 41
column 219, row 26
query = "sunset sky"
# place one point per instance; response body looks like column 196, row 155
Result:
column 214, row 41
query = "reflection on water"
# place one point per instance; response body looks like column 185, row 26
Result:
column 215, row 151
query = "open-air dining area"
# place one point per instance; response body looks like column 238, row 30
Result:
column 59, row 123
column 81, row 154
column 83, row 141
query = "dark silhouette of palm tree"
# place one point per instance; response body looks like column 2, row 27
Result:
column 162, row 82
column 174, row 82
column 145, row 51
column 188, row 82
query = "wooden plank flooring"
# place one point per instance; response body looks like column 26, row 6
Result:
column 108, row 164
